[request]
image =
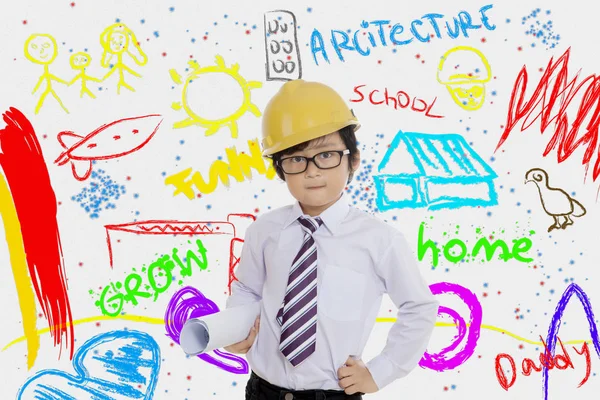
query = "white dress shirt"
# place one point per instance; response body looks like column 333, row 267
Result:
column 359, row 259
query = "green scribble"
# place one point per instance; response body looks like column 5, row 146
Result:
column 152, row 281
column 456, row 250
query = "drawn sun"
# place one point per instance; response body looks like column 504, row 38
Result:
column 193, row 91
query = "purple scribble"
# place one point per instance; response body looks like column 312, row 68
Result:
column 555, row 325
column 438, row 361
column 188, row 302
column 462, row 331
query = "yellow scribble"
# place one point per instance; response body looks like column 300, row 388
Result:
column 466, row 88
column 80, row 61
column 41, row 48
column 214, row 125
column 492, row 328
column 238, row 166
column 117, row 40
column 25, row 295
column 134, row 318
column 161, row 321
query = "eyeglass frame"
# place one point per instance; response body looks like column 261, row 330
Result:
column 342, row 153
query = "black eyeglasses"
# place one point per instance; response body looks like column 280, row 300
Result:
column 325, row 160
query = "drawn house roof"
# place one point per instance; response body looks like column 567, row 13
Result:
column 415, row 155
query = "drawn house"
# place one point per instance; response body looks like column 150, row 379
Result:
column 434, row 171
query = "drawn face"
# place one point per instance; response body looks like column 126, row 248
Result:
column 464, row 71
column 118, row 42
column 80, row 60
column 41, row 48
column 317, row 189
column 468, row 96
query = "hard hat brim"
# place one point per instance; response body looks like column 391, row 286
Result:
column 306, row 136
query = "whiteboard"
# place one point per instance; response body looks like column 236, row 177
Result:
column 130, row 168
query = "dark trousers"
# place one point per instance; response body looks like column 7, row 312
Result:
column 259, row 389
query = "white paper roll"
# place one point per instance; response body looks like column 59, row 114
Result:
column 232, row 325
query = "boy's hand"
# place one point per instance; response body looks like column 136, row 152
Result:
column 243, row 346
column 355, row 377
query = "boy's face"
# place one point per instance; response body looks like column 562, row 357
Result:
column 317, row 189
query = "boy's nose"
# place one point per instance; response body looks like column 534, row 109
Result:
column 312, row 169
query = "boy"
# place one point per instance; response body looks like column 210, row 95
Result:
column 321, row 267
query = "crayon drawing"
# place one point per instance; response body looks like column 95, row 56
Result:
column 435, row 171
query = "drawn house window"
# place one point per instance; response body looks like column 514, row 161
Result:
column 434, row 171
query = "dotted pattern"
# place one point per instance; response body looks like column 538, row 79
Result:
column 100, row 194
column 542, row 31
column 362, row 188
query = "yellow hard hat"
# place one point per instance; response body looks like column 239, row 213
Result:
column 302, row 111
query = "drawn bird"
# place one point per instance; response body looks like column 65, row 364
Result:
column 556, row 202
column 112, row 140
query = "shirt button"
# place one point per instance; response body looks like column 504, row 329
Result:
column 289, row 396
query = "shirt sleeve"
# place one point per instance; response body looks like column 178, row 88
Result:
column 250, row 272
column 417, row 312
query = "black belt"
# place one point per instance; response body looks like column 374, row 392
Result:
column 275, row 392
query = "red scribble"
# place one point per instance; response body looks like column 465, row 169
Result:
column 500, row 371
column 588, row 362
column 547, row 361
column 25, row 169
column 173, row 227
column 161, row 227
column 235, row 249
column 186, row 229
column 249, row 216
column 565, row 358
column 527, row 364
column 400, row 98
column 548, row 95
column 113, row 140
column 165, row 227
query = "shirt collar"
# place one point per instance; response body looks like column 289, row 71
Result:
column 332, row 217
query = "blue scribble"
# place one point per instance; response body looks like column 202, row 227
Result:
column 98, row 195
column 435, row 161
column 373, row 34
column 542, row 31
column 118, row 364
column 555, row 325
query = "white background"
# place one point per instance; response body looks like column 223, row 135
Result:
column 78, row 27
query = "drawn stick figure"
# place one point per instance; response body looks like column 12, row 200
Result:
column 80, row 61
column 42, row 49
column 116, row 40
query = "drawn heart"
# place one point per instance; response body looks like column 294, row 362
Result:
column 110, row 366
column 188, row 302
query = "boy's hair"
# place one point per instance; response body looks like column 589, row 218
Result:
column 348, row 137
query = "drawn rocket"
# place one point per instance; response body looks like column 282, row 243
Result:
column 113, row 140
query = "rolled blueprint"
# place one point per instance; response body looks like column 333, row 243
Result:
column 224, row 328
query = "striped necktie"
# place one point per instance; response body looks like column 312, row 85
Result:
column 298, row 313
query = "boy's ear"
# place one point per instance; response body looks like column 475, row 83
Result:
column 356, row 160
